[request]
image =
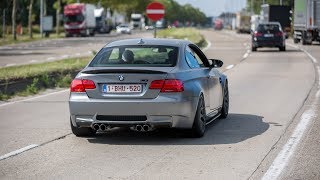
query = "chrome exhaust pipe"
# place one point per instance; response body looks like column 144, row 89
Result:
column 138, row 127
column 146, row 127
column 96, row 127
column 102, row 127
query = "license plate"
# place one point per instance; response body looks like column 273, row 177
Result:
column 268, row 35
column 122, row 88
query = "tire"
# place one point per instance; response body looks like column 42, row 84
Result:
column 253, row 48
column 282, row 48
column 199, row 124
column 82, row 132
column 225, row 105
column 296, row 41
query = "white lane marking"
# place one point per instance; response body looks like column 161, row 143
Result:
column 65, row 56
column 208, row 46
column 26, row 52
column 12, row 64
column 16, row 152
column 36, row 97
column 282, row 159
column 245, row 55
column 51, row 58
column 33, row 61
column 230, row 66
column 306, row 52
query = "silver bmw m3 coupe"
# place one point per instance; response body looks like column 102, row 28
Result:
column 144, row 84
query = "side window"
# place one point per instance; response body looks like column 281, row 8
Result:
column 198, row 59
column 191, row 59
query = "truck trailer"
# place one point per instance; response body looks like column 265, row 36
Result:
column 277, row 13
column 79, row 19
column 306, row 21
column 103, row 25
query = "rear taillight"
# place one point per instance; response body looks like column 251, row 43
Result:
column 80, row 85
column 278, row 34
column 257, row 34
column 168, row 85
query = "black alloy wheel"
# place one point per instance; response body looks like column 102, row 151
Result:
column 225, row 104
column 199, row 124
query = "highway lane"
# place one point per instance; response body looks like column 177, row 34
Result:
column 55, row 49
column 261, row 108
column 305, row 162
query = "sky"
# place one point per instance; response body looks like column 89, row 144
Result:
column 215, row 7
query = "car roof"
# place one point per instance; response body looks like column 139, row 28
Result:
column 150, row 41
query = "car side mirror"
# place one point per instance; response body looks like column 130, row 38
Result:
column 215, row 63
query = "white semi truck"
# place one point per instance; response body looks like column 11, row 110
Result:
column 306, row 21
column 137, row 21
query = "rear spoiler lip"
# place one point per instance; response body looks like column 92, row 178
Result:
column 132, row 71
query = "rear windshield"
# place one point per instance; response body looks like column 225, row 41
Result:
column 268, row 27
column 131, row 56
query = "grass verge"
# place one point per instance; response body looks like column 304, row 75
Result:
column 29, row 79
column 8, row 39
column 190, row 34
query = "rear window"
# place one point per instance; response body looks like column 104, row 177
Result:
column 268, row 27
column 131, row 56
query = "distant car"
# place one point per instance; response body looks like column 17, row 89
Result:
column 144, row 84
column 149, row 27
column 123, row 29
column 268, row 35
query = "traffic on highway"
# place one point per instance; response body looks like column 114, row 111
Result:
column 160, row 89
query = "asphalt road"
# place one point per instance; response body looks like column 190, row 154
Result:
column 55, row 49
column 268, row 90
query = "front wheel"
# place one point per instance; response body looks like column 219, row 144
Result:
column 199, row 124
column 225, row 105
column 82, row 131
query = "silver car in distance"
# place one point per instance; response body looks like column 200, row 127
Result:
column 144, row 84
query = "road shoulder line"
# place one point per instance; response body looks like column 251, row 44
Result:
column 308, row 115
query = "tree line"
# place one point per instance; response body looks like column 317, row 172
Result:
column 27, row 12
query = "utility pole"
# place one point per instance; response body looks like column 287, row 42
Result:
column 281, row 2
column 41, row 18
column 4, row 23
column 14, row 8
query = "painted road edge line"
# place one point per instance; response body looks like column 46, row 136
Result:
column 282, row 159
column 230, row 66
column 208, row 46
column 19, row 151
column 32, row 98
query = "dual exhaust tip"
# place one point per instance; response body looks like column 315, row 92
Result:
column 140, row 128
column 100, row 127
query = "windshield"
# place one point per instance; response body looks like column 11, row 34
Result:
column 130, row 56
column 268, row 27
column 73, row 18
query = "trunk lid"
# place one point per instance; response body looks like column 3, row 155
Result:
column 124, row 83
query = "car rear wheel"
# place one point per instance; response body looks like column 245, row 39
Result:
column 283, row 48
column 253, row 48
column 83, row 131
column 225, row 105
column 199, row 124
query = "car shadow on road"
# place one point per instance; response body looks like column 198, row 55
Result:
column 234, row 129
column 276, row 50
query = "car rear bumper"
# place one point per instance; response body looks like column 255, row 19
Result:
column 165, row 111
column 268, row 43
